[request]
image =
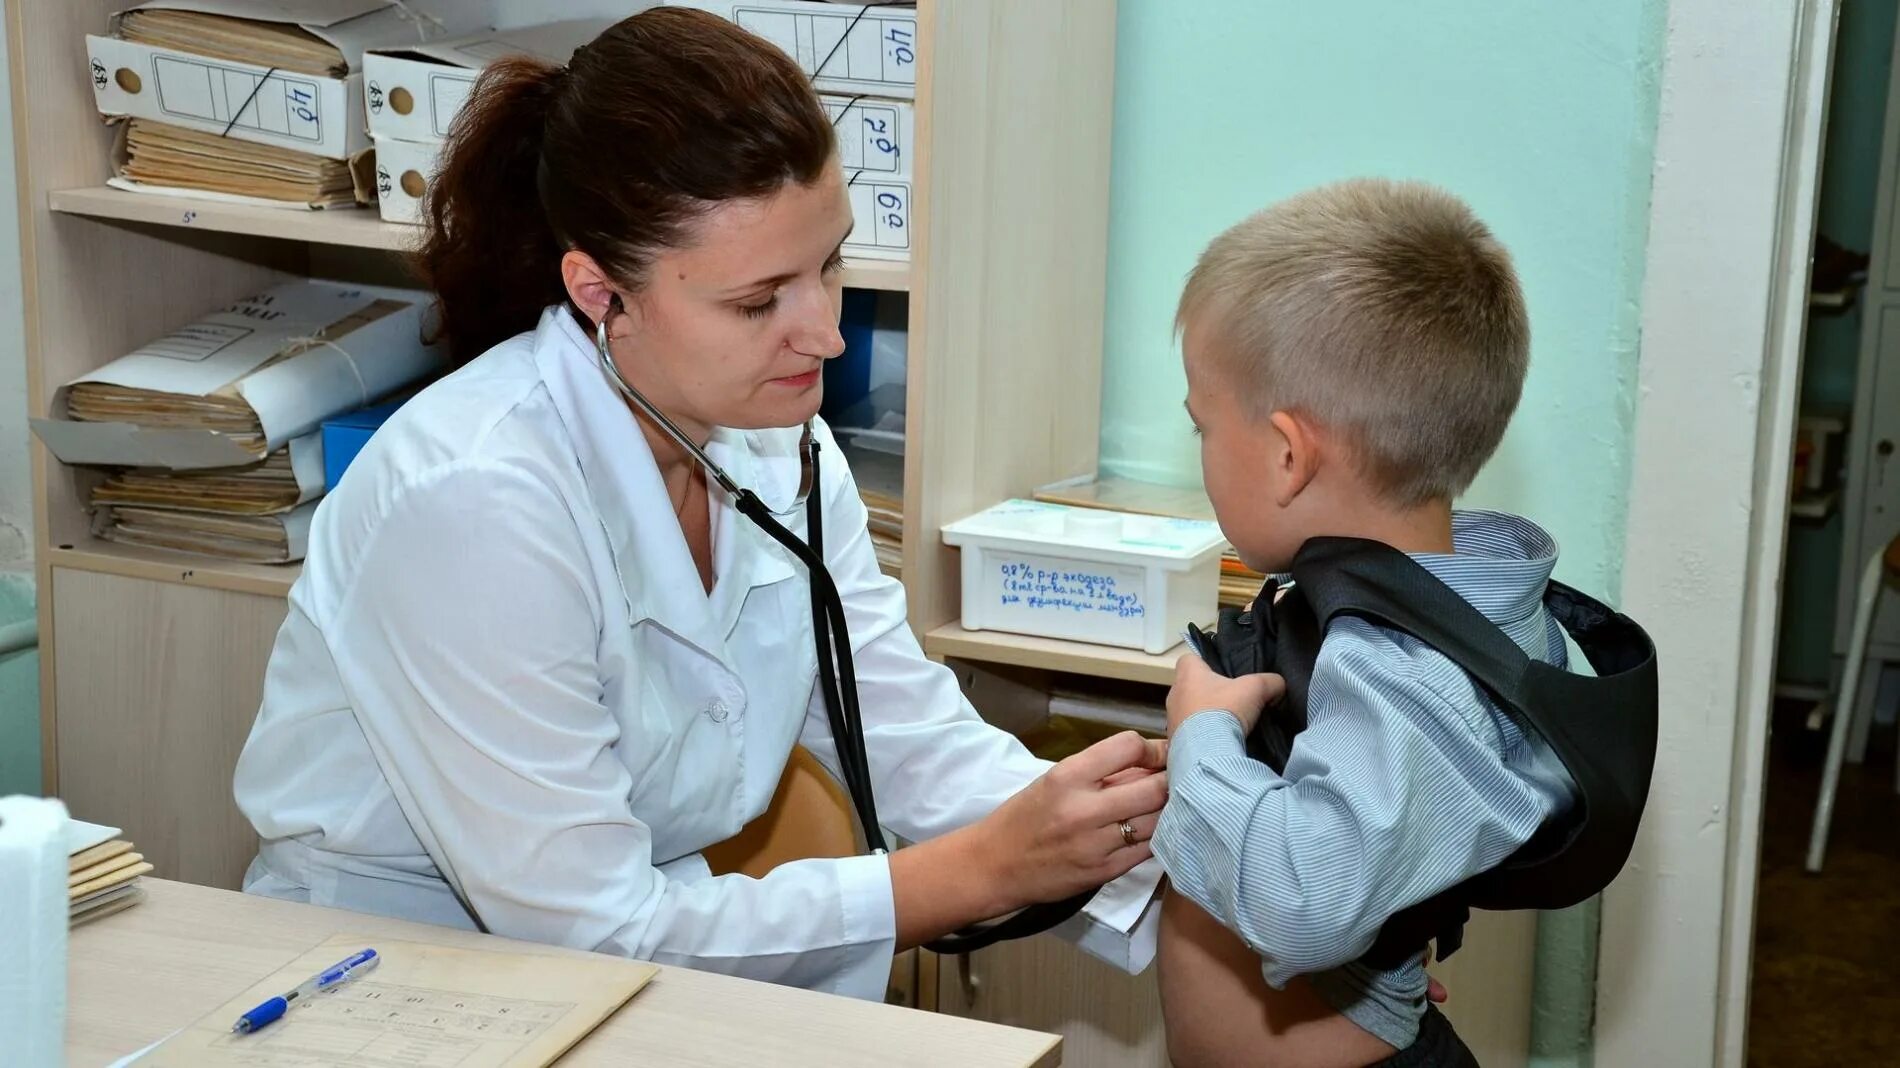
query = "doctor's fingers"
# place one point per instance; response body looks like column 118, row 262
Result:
column 1111, row 755
column 1129, row 775
column 1140, row 797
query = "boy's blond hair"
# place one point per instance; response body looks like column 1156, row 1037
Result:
column 1384, row 310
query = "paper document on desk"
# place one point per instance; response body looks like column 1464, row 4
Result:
column 423, row 1005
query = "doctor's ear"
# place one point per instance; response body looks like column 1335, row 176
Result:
column 589, row 287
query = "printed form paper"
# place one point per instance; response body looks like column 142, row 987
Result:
column 423, row 1006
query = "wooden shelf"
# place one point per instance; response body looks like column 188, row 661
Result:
column 1834, row 299
column 108, row 558
column 892, row 276
column 350, row 227
column 1052, row 654
column 354, row 227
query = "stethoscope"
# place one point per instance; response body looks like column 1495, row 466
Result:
column 837, row 676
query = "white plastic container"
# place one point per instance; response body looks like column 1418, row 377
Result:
column 1086, row 574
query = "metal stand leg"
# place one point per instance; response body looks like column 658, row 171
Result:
column 1864, row 711
column 1844, row 709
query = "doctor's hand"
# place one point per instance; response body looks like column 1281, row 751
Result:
column 1062, row 834
column 1199, row 688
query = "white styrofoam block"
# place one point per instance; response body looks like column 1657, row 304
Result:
column 404, row 170
column 414, row 91
column 1087, row 574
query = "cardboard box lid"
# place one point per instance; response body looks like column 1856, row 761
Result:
column 414, row 91
column 552, row 41
column 353, row 26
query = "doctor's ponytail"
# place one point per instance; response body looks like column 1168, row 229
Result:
column 665, row 114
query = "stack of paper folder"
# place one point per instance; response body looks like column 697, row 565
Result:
column 162, row 154
column 210, row 437
column 267, row 44
column 102, row 873
column 880, row 478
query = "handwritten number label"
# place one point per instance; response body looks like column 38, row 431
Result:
column 902, row 51
column 892, row 203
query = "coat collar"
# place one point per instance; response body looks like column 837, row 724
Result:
column 656, row 570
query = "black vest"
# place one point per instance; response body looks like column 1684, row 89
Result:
column 1602, row 728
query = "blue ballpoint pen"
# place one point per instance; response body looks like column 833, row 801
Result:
column 355, row 964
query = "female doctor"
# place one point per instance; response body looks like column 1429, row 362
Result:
column 535, row 663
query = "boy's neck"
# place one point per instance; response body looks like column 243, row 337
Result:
column 1424, row 528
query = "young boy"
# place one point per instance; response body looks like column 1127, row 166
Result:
column 1353, row 356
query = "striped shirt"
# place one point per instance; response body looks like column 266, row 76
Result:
column 1407, row 780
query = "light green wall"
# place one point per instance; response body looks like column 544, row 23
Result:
column 1541, row 114
column 19, row 694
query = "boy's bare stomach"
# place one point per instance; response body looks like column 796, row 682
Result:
column 1220, row 1012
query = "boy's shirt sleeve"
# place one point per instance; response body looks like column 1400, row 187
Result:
column 1392, row 793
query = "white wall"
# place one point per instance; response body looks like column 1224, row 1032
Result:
column 16, row 498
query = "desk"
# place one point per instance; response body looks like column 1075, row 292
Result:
column 141, row 974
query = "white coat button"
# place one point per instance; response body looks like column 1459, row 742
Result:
column 717, row 709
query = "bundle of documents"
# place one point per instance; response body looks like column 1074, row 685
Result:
column 160, row 154
column 887, row 530
column 252, row 101
column 255, row 539
column 268, row 44
column 212, row 431
column 271, row 486
column 103, row 872
column 242, row 382
column 879, row 474
column 1239, row 584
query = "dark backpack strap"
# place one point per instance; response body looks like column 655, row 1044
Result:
column 1373, row 581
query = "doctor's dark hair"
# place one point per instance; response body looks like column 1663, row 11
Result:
column 664, row 115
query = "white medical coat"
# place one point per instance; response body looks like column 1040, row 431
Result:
column 501, row 674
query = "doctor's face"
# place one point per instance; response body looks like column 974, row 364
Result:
column 734, row 328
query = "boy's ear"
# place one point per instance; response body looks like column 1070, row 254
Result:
column 1295, row 455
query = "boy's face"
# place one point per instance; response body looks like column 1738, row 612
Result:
column 1242, row 460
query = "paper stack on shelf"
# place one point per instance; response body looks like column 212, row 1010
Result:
column 880, row 477
column 212, row 431
column 254, row 539
column 258, row 513
column 278, row 45
column 887, row 530
column 160, row 155
column 1238, row 583
column 271, row 486
column 251, row 101
column 103, row 872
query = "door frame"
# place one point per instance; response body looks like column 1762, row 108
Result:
column 1725, row 291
